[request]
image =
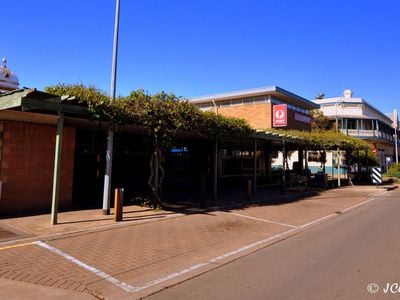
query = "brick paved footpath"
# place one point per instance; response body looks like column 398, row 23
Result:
column 93, row 257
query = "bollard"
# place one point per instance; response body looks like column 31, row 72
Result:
column 248, row 189
column 202, row 191
column 118, row 204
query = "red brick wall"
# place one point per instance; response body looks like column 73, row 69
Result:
column 27, row 165
column 259, row 116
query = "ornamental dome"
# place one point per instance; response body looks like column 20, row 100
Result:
column 8, row 80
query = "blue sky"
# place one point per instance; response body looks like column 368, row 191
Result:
column 195, row 48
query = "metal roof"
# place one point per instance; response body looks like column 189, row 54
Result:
column 269, row 90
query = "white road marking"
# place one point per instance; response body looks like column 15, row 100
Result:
column 263, row 220
column 170, row 276
column 98, row 272
column 247, row 247
column 213, row 260
column 316, row 221
column 130, row 288
column 359, row 204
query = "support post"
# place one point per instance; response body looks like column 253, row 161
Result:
column 306, row 164
column 300, row 161
column 255, row 168
column 284, row 160
column 338, row 166
column 108, row 173
column 156, row 171
column 202, row 190
column 57, row 168
column 216, row 170
column 248, row 189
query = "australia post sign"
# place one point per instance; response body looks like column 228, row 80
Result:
column 279, row 115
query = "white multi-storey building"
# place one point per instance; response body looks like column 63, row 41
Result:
column 357, row 117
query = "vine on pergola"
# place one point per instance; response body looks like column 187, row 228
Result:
column 326, row 140
column 163, row 115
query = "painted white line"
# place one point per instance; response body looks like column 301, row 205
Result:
column 359, row 204
column 98, row 272
column 130, row 288
column 237, row 251
column 247, row 247
column 213, row 260
column 263, row 220
column 316, row 221
column 170, row 276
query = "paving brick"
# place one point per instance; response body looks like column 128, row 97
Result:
column 138, row 252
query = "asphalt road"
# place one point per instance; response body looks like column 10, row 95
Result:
column 341, row 258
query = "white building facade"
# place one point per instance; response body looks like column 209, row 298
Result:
column 356, row 117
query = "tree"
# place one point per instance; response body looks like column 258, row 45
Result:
column 319, row 122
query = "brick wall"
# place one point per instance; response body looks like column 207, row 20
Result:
column 27, row 164
column 259, row 116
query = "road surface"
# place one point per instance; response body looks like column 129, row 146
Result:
column 354, row 256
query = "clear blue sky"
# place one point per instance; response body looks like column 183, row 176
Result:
column 195, row 48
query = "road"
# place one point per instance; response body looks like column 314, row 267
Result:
column 339, row 259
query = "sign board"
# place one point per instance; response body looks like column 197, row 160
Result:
column 376, row 175
column 279, row 115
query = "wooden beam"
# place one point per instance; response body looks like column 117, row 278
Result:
column 52, row 105
column 10, row 101
column 14, row 115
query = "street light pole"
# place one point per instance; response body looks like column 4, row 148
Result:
column 110, row 136
column 396, row 123
column 336, row 116
column 396, row 146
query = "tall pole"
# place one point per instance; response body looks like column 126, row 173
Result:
column 396, row 123
column 338, row 166
column 110, row 136
column 396, row 146
column 336, row 117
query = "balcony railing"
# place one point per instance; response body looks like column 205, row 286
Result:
column 368, row 133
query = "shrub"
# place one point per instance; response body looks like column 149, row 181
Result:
column 394, row 170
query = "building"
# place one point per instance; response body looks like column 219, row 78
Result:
column 256, row 107
column 356, row 117
column 8, row 80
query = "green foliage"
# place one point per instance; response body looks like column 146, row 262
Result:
column 165, row 115
column 319, row 122
column 99, row 104
column 394, row 170
column 325, row 139
column 364, row 158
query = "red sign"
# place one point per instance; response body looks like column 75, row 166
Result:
column 279, row 115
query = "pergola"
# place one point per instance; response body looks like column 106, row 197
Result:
column 43, row 108
column 31, row 105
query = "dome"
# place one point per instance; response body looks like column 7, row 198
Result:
column 8, row 80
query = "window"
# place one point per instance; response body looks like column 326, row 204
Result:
column 351, row 124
